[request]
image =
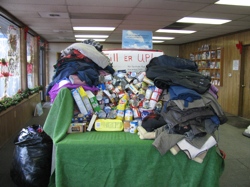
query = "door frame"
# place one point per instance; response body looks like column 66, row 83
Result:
column 242, row 67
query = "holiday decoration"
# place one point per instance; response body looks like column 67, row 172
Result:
column 7, row 102
column 239, row 46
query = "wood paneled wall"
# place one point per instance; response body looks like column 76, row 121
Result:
column 229, row 92
column 13, row 119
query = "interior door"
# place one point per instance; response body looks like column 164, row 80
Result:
column 245, row 83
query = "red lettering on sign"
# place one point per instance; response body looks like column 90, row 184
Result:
column 144, row 57
column 114, row 57
column 127, row 58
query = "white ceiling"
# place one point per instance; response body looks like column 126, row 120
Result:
column 125, row 15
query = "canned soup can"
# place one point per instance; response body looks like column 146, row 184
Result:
column 128, row 116
column 133, row 126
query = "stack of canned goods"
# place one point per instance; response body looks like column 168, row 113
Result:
column 129, row 96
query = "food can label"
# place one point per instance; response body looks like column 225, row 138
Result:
column 128, row 115
column 126, row 126
column 133, row 126
column 120, row 114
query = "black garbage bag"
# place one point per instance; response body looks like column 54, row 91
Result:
column 31, row 163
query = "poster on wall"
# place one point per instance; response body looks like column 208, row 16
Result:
column 131, row 60
column 137, row 39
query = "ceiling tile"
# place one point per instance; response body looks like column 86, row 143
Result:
column 99, row 10
column 227, row 9
column 98, row 3
column 95, row 22
column 171, row 5
column 161, row 12
column 125, row 14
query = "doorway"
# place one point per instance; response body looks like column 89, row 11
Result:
column 244, row 105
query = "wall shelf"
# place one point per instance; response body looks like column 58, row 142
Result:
column 210, row 63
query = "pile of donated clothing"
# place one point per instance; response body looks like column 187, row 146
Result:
column 184, row 113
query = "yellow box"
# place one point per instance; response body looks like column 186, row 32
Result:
column 108, row 125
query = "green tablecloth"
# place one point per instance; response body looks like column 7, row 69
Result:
column 122, row 159
column 119, row 159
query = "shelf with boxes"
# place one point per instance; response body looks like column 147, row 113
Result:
column 210, row 63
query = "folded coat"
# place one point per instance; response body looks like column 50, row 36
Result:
column 169, row 61
column 164, row 77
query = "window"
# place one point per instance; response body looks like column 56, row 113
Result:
column 10, row 79
column 30, row 60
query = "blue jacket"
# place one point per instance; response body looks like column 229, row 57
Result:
column 183, row 93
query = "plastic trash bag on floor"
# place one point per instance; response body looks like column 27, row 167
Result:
column 31, row 164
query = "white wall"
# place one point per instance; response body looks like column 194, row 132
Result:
column 54, row 48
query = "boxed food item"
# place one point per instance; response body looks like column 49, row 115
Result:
column 79, row 101
column 76, row 128
column 93, row 101
column 108, row 125
column 92, row 121
column 85, row 99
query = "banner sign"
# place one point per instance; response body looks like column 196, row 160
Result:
column 137, row 39
column 131, row 60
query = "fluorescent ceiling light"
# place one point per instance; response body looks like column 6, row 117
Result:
column 93, row 28
column 203, row 20
column 157, row 41
column 162, row 38
column 234, row 2
column 96, row 39
column 175, row 31
column 91, row 36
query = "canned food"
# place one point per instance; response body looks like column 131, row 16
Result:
column 109, row 87
column 135, row 81
column 120, row 114
column 101, row 114
column 107, row 77
column 107, row 109
column 128, row 116
column 133, row 126
column 149, row 92
column 141, row 76
column 128, row 79
column 138, row 85
column 136, row 113
column 133, row 89
column 105, row 100
column 133, row 74
column 121, row 94
column 147, row 80
column 146, row 104
column 144, row 85
column 126, row 126
column 99, row 95
column 112, row 114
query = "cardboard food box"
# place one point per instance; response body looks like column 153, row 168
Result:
column 79, row 102
column 93, row 101
column 77, row 128
column 85, row 99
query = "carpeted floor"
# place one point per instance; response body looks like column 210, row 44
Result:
column 237, row 121
column 231, row 141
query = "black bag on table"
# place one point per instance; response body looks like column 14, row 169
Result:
column 31, row 164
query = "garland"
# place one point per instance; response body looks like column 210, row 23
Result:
column 7, row 102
